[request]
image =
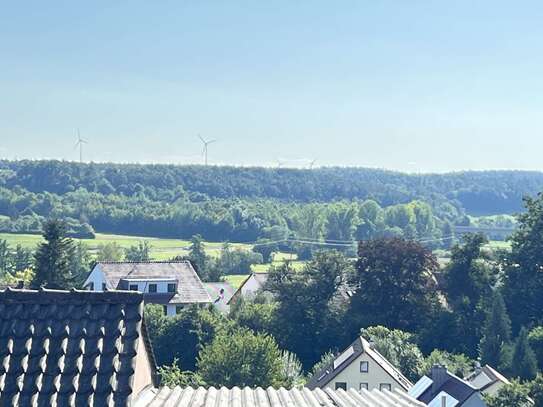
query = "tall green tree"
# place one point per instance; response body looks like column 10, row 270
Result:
column 399, row 348
column 523, row 279
column 80, row 263
column 110, row 252
column 496, row 334
column 21, row 259
column 5, row 258
column 198, row 256
column 524, row 363
column 53, row 257
column 468, row 283
column 139, row 252
column 395, row 285
column 511, row 395
column 241, row 358
column 310, row 304
column 535, row 337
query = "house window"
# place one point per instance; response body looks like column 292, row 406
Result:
column 152, row 288
column 341, row 385
column 172, row 287
column 133, row 287
column 364, row 386
column 91, row 286
column 165, row 309
column 385, row 386
column 104, row 286
column 178, row 309
column 364, row 367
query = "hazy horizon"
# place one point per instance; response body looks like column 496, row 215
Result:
column 421, row 87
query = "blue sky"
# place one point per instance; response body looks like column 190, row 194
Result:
column 409, row 85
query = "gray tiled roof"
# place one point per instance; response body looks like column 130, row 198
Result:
column 69, row 348
column 270, row 397
column 190, row 289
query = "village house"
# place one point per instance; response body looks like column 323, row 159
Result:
column 487, row 379
column 250, row 287
column 441, row 388
column 220, row 294
column 360, row 367
column 73, row 348
column 172, row 284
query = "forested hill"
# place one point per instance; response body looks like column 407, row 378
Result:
column 477, row 192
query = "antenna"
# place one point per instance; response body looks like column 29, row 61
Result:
column 79, row 144
column 206, row 143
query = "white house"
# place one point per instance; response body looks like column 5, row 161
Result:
column 172, row 284
column 249, row 288
column 360, row 367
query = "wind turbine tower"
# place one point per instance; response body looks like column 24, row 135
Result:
column 205, row 143
column 79, row 144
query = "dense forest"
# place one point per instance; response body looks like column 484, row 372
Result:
column 246, row 204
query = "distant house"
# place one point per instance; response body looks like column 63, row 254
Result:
column 220, row 294
column 172, row 284
column 441, row 388
column 360, row 367
column 270, row 397
column 73, row 348
column 250, row 287
column 487, row 380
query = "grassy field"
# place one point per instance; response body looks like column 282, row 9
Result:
column 161, row 249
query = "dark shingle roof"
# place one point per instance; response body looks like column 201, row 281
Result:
column 69, row 348
column 190, row 289
column 441, row 380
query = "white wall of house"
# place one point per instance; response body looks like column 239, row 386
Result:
column 251, row 287
column 375, row 378
column 96, row 277
column 143, row 286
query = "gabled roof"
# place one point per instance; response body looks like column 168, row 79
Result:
column 441, row 381
column 270, row 397
column 214, row 291
column 70, row 347
column 260, row 278
column 358, row 347
column 491, row 376
column 190, row 289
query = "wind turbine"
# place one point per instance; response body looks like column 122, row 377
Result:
column 206, row 143
column 312, row 163
column 79, row 144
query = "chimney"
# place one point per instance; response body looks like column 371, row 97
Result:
column 439, row 376
column 443, row 401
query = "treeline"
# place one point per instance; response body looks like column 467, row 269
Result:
column 219, row 219
column 478, row 192
column 246, row 204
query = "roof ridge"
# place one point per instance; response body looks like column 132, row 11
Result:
column 142, row 262
column 33, row 295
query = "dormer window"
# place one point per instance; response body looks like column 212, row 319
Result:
column 172, row 287
column 152, row 288
column 133, row 287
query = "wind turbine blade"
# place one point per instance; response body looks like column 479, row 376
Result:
column 77, row 144
column 211, row 141
column 200, row 137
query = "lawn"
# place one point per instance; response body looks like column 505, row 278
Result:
column 161, row 249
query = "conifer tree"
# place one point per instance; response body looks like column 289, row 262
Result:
column 52, row 259
column 524, row 363
column 496, row 333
